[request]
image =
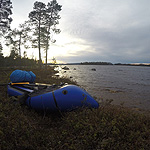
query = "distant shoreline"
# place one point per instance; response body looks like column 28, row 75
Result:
column 103, row 63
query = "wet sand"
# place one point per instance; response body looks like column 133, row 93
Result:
column 119, row 97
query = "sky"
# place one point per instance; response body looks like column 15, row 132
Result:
column 116, row 31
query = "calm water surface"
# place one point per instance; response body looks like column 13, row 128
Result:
column 128, row 85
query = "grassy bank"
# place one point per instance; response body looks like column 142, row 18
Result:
column 109, row 127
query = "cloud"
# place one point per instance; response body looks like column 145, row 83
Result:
column 100, row 30
column 115, row 31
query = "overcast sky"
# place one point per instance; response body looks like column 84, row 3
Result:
column 97, row 30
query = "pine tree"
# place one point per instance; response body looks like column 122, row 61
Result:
column 37, row 19
column 5, row 12
column 43, row 20
column 52, row 20
column 18, row 37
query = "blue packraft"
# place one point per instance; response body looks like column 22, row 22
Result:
column 22, row 76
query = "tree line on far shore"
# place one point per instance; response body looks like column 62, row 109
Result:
column 96, row 63
column 109, row 63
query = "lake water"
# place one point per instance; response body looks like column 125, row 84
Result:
column 128, row 85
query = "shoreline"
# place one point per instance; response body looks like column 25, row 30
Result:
column 117, row 97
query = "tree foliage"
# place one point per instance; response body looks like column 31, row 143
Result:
column 18, row 37
column 53, row 9
column 43, row 20
column 5, row 12
column 37, row 19
column 37, row 32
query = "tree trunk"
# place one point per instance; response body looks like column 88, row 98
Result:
column 47, row 40
column 20, row 46
column 39, row 44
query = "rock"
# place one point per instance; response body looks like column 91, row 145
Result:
column 65, row 68
column 93, row 69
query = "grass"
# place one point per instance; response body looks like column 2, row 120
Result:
column 107, row 128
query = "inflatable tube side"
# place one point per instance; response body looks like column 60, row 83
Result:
column 13, row 92
column 43, row 102
column 71, row 97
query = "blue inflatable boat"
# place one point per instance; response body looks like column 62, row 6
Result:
column 52, row 97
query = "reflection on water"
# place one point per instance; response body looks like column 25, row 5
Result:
column 124, row 84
